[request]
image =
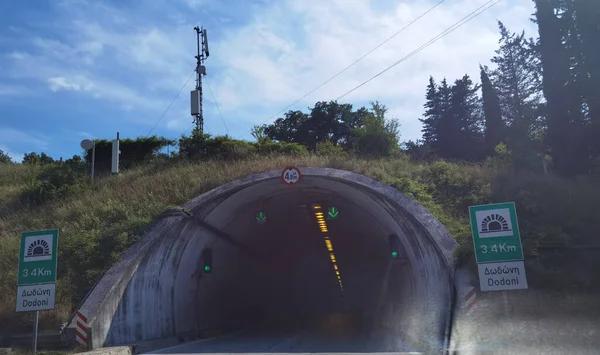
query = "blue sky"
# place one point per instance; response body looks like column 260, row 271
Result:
column 75, row 69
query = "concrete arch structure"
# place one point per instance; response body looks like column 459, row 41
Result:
column 269, row 273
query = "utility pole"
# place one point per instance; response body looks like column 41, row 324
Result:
column 196, row 95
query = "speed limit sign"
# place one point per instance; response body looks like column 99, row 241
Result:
column 291, row 175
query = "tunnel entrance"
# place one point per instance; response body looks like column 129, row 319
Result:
column 311, row 255
column 338, row 256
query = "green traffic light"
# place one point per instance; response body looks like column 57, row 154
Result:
column 394, row 254
column 207, row 268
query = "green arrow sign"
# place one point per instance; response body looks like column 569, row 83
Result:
column 261, row 217
column 496, row 232
column 38, row 257
column 333, row 212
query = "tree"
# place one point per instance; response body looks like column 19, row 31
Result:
column 518, row 82
column 195, row 146
column 494, row 126
column 587, row 17
column 31, row 158
column 446, row 123
column 291, row 128
column 45, row 159
column 35, row 158
column 418, row 150
column 433, row 113
column 436, row 120
column 4, row 158
column 76, row 163
column 459, row 130
column 452, row 122
column 566, row 135
column 327, row 121
column 377, row 136
column 134, row 152
column 258, row 133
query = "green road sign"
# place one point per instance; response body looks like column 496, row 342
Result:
column 333, row 212
column 496, row 232
column 38, row 257
column 261, row 217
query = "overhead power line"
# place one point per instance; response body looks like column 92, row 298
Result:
column 171, row 104
column 217, row 104
column 444, row 33
column 357, row 60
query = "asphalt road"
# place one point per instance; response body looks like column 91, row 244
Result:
column 331, row 334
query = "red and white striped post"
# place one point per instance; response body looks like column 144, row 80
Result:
column 81, row 328
column 470, row 300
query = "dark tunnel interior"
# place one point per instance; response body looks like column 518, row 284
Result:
column 310, row 259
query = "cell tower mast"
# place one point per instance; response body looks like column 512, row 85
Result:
column 196, row 95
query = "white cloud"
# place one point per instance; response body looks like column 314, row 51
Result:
column 286, row 49
column 274, row 61
column 61, row 83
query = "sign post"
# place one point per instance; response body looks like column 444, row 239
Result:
column 36, row 280
column 35, row 331
column 498, row 249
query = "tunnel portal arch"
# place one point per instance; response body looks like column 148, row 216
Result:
column 149, row 294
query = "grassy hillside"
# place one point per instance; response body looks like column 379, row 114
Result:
column 97, row 223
